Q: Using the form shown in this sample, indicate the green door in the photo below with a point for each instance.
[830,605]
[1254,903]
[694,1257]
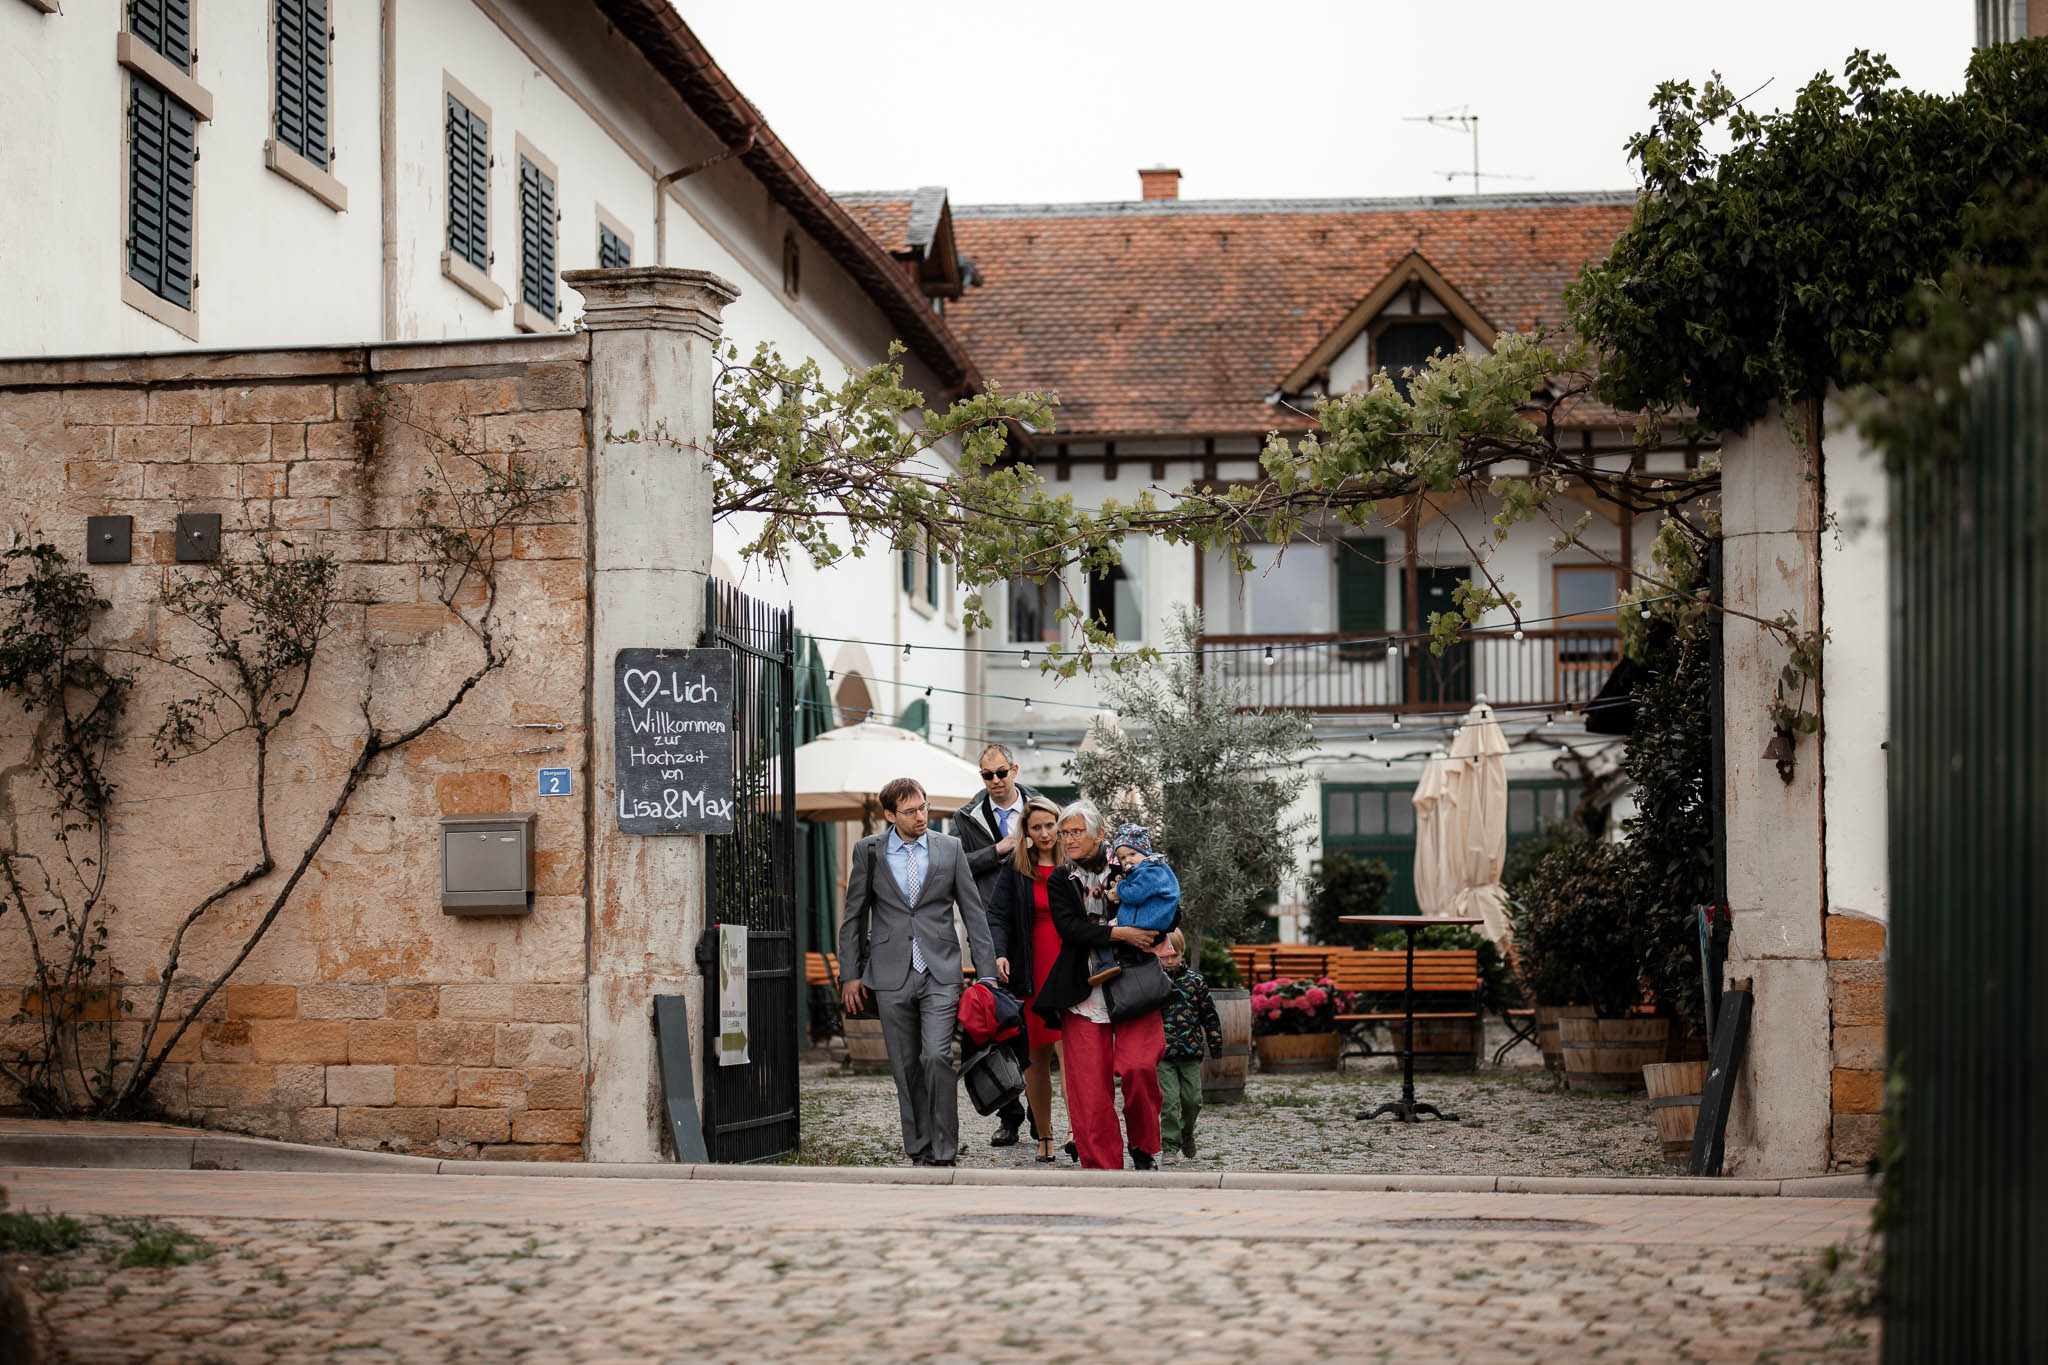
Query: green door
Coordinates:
[1446,679]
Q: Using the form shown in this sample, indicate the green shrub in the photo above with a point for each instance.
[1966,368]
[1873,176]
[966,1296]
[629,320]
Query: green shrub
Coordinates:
[1574,942]
[1218,968]
[1340,885]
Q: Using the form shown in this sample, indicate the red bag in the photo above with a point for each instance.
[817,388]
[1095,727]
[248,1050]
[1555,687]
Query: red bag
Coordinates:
[982,1020]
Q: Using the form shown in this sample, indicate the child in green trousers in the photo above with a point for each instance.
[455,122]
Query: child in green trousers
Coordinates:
[1190,1017]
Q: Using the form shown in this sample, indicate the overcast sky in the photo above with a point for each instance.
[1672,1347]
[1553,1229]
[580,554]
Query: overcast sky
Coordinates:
[1056,100]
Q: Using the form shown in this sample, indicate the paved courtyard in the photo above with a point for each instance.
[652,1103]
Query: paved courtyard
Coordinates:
[367,1268]
[1517,1121]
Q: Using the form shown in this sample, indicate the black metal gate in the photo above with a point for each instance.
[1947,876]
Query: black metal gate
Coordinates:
[1966,1249]
[750,1110]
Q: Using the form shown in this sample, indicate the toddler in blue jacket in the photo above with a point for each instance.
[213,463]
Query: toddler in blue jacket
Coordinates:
[1147,895]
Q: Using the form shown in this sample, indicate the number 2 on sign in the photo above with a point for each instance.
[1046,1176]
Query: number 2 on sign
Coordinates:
[554,782]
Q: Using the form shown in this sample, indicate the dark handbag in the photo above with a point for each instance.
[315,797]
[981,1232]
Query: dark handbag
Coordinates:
[1139,989]
[992,1076]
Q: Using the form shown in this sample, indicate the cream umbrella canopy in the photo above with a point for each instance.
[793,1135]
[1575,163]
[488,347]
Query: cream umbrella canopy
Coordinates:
[1461,826]
[839,772]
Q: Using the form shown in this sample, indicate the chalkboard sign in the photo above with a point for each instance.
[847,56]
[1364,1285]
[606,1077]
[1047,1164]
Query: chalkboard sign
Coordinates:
[672,729]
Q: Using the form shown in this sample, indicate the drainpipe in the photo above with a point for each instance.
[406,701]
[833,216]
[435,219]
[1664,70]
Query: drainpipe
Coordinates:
[387,157]
[661,187]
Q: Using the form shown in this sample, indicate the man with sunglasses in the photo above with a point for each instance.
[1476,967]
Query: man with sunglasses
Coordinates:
[988,827]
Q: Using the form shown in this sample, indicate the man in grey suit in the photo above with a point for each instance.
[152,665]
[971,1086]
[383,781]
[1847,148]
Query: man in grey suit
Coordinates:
[899,931]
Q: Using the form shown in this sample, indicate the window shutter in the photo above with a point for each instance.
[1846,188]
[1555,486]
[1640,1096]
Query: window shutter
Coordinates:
[469,182]
[612,251]
[931,575]
[1361,586]
[165,25]
[536,238]
[916,717]
[161,154]
[302,78]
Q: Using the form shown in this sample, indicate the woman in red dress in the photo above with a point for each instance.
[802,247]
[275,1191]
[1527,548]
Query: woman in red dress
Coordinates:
[1020,922]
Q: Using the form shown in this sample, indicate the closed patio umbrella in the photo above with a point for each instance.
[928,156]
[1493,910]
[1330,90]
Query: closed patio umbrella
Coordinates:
[1461,826]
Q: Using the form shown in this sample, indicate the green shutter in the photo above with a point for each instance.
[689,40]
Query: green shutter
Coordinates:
[469,185]
[1361,585]
[612,251]
[301,27]
[165,25]
[536,238]
[918,717]
[161,156]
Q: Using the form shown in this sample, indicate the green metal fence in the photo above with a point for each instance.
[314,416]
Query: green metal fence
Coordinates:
[1966,1274]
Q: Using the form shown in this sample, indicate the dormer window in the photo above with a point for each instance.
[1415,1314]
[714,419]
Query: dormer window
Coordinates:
[1409,345]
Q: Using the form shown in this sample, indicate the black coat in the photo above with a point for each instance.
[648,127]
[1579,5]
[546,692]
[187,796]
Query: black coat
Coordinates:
[1067,984]
[974,826]
[1012,922]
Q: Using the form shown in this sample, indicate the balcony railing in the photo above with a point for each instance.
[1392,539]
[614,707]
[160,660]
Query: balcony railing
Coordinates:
[1555,667]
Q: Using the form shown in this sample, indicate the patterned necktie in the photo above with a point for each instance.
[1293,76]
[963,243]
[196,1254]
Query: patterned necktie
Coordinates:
[912,880]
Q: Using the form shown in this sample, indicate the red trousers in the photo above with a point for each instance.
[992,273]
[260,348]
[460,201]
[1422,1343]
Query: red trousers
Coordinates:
[1096,1057]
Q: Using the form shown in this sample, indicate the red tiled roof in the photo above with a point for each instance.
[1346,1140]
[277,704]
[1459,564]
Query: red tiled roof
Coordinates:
[1180,317]
[885,220]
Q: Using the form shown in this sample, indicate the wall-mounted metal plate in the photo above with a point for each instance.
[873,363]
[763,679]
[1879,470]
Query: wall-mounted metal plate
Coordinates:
[109,540]
[198,537]
[487,864]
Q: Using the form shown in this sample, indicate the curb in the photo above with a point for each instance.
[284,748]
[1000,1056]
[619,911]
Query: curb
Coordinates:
[183,1151]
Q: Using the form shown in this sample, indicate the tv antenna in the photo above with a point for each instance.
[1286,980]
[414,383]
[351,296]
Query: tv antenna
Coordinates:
[1466,122]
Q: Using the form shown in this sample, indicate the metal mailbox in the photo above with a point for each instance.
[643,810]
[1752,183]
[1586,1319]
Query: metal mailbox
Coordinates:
[487,864]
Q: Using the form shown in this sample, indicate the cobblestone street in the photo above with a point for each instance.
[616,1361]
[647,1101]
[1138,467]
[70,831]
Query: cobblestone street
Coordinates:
[1518,1121]
[370,1268]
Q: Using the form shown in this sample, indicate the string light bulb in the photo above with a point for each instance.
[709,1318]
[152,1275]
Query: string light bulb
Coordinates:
[906,649]
[1025,661]
[1030,739]
[1393,648]
[1518,632]
[1397,722]
[1269,656]
[1027,706]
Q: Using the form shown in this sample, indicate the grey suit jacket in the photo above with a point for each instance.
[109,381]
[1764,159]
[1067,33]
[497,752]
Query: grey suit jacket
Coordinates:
[877,937]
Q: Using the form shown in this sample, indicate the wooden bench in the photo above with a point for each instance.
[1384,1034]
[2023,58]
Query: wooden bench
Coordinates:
[822,969]
[1258,962]
[1438,971]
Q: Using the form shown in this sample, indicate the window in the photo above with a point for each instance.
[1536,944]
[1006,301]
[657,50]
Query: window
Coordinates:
[165,108]
[302,78]
[931,573]
[1034,612]
[1286,594]
[792,265]
[1409,345]
[1586,593]
[300,148]
[1378,821]
[614,244]
[538,219]
[162,156]
[1116,599]
[909,562]
[467,261]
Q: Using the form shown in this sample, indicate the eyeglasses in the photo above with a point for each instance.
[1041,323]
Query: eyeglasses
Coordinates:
[910,810]
[998,775]
[1073,834]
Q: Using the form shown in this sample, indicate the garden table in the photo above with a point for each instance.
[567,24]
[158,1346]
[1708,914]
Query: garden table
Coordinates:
[1408,1109]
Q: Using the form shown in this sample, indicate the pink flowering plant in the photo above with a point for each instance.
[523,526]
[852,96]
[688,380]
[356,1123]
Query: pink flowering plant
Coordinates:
[1298,1004]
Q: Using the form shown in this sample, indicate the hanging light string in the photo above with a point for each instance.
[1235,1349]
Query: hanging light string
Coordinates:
[1391,643]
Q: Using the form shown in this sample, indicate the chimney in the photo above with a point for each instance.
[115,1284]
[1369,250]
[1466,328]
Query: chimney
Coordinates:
[1159,182]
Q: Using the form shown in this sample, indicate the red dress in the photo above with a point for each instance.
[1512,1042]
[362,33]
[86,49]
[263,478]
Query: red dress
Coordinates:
[1045,950]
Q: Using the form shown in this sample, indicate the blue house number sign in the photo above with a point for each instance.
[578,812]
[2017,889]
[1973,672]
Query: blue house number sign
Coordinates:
[555,782]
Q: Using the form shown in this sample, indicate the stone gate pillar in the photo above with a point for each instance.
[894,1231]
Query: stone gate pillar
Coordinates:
[654,331]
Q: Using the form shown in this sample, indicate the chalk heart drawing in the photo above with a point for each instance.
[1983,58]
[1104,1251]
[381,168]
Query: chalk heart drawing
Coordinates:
[636,678]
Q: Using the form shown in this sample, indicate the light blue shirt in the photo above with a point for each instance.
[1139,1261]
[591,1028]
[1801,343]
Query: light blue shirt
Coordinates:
[915,855]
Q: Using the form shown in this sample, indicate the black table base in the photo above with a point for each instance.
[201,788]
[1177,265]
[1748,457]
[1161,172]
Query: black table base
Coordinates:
[1408,1109]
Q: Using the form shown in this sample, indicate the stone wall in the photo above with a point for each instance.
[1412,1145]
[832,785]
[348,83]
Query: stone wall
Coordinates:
[366,1016]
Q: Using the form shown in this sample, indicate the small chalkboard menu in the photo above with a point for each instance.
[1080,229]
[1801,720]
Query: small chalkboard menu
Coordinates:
[672,727]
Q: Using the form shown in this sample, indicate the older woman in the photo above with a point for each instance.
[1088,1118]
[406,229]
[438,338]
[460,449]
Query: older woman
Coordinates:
[1095,1053]
[1020,922]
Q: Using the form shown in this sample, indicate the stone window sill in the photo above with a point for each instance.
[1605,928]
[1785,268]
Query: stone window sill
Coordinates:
[528,318]
[184,321]
[471,280]
[147,62]
[306,175]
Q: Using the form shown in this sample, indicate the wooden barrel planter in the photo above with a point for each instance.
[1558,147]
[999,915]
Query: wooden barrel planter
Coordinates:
[1445,1044]
[1546,1031]
[1223,1077]
[865,1050]
[1295,1052]
[1675,1103]
[1610,1054]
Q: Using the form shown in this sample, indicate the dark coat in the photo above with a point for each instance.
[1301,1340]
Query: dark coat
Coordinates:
[1012,916]
[974,825]
[1067,984]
